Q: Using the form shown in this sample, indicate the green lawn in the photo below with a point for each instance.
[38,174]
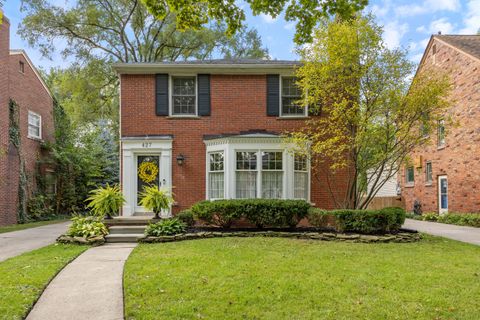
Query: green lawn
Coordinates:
[274,278]
[23,278]
[16,227]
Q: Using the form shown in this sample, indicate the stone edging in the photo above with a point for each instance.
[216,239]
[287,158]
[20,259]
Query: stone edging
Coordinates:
[93,241]
[325,236]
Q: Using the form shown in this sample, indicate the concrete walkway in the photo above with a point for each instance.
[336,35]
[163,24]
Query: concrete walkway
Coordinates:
[90,287]
[17,242]
[460,233]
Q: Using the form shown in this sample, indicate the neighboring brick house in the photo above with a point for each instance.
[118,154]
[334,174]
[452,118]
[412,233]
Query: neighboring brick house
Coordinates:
[213,129]
[20,81]
[445,175]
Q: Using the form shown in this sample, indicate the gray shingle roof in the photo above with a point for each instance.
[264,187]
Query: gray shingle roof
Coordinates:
[467,43]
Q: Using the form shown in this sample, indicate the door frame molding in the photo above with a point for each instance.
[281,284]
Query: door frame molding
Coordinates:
[130,148]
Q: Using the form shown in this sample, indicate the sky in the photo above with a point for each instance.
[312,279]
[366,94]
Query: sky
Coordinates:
[407,24]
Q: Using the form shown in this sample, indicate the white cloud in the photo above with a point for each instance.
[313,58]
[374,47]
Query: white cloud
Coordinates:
[472,20]
[421,29]
[267,18]
[393,33]
[442,25]
[381,10]
[428,6]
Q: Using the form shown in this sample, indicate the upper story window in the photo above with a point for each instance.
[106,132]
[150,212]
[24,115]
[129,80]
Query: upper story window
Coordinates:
[441,133]
[216,177]
[409,175]
[428,172]
[184,96]
[34,125]
[290,94]
[21,66]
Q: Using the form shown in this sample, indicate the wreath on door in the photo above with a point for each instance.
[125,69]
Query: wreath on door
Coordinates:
[148,171]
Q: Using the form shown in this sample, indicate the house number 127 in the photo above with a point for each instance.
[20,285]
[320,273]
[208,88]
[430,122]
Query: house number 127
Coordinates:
[146,144]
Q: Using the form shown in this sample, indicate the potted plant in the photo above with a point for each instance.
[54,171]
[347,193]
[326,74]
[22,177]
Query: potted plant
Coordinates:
[156,199]
[106,201]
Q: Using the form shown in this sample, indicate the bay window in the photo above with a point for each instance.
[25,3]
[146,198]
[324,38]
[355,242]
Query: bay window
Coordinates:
[246,176]
[300,177]
[272,175]
[216,182]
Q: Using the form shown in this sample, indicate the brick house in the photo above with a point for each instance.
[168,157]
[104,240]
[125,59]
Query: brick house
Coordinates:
[445,175]
[20,82]
[212,128]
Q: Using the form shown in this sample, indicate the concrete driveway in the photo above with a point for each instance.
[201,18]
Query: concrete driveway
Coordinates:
[460,233]
[17,242]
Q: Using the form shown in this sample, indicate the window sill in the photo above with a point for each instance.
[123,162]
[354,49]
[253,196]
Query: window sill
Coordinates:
[35,138]
[441,147]
[293,117]
[409,185]
[428,184]
[184,117]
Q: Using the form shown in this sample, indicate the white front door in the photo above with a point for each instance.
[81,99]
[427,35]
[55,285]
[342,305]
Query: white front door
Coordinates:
[442,194]
[148,174]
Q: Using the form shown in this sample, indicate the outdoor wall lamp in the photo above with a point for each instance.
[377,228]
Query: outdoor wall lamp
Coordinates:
[180,159]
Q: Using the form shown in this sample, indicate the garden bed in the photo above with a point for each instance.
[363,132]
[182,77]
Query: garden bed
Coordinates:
[303,233]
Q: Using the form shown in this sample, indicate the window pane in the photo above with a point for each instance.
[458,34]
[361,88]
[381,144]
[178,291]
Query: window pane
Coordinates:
[290,94]
[33,131]
[300,163]
[428,172]
[184,104]
[410,174]
[246,160]
[216,161]
[184,86]
[216,185]
[272,160]
[289,88]
[272,184]
[300,185]
[246,184]
[289,107]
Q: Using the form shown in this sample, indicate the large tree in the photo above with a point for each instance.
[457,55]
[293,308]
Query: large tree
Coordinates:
[193,14]
[371,115]
[93,34]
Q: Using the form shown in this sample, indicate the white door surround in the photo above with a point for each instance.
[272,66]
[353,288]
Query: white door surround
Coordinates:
[442,194]
[132,147]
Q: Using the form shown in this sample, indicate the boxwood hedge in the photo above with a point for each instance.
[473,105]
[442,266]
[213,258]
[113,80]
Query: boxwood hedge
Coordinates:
[260,212]
[360,221]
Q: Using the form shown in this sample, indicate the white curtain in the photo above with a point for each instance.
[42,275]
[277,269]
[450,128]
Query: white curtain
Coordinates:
[300,185]
[246,184]
[215,185]
[272,184]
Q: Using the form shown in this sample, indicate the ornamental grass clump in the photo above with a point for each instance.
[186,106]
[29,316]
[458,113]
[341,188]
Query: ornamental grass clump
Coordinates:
[106,201]
[156,199]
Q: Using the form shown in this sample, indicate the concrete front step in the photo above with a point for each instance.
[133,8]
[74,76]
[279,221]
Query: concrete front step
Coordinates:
[124,238]
[129,221]
[127,229]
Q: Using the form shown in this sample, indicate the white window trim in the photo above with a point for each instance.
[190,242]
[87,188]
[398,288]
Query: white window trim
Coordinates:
[230,145]
[428,182]
[407,182]
[293,116]
[210,171]
[39,137]
[441,143]
[170,96]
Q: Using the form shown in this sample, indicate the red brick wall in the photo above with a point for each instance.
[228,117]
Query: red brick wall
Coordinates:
[460,158]
[27,90]
[238,103]
[5,218]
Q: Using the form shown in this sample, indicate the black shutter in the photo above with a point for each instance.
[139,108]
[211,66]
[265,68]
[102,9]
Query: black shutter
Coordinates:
[203,94]
[161,94]
[273,95]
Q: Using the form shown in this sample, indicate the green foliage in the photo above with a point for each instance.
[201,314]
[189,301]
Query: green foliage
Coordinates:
[165,227]
[194,14]
[360,221]
[155,199]
[106,201]
[370,112]
[261,212]
[87,227]
[461,219]
[39,207]
[186,216]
